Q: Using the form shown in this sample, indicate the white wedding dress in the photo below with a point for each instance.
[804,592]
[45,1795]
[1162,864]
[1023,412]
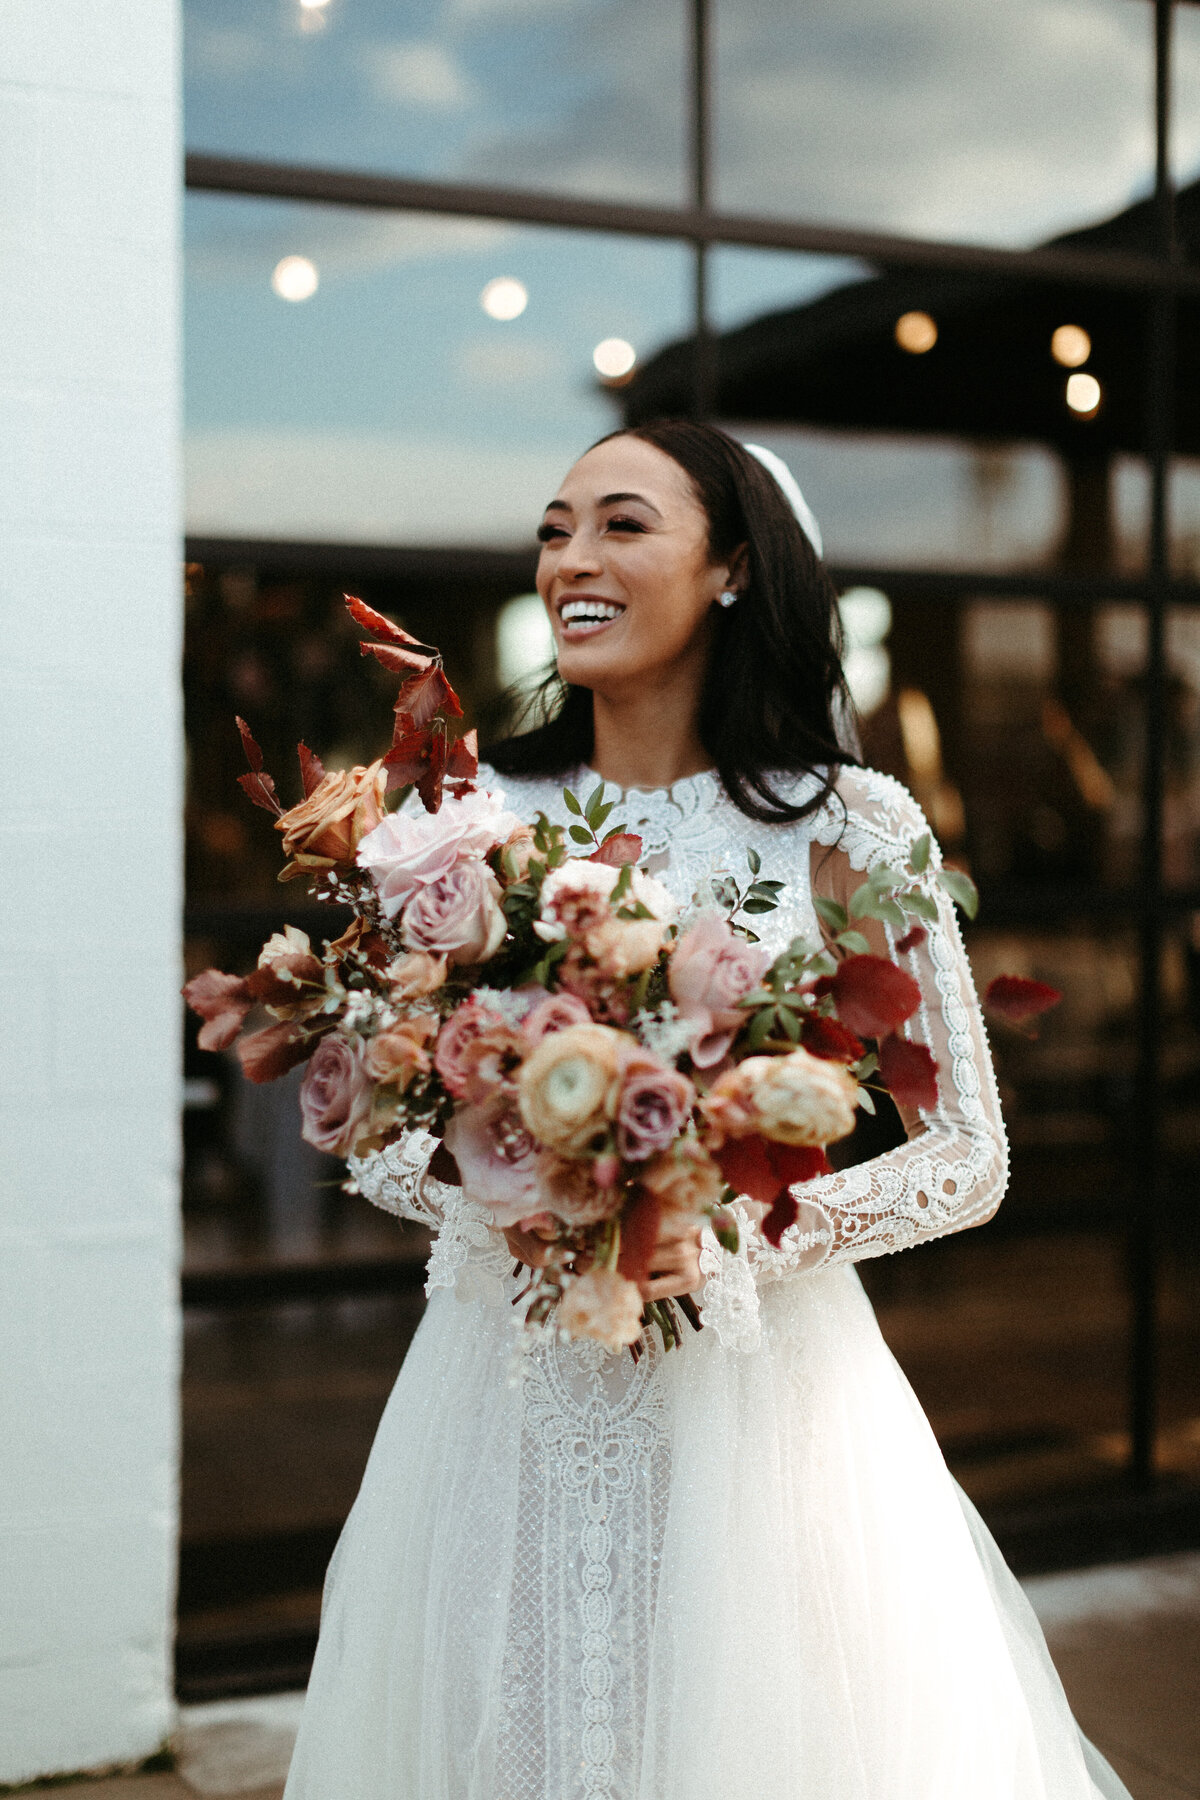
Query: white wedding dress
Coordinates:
[741,1571]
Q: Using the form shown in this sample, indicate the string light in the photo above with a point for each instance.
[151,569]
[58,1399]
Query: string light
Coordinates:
[295,278]
[916,333]
[1083,394]
[1071,346]
[504,298]
[613,358]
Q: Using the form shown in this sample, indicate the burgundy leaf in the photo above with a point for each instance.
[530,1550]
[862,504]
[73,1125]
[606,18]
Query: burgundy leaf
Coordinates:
[254,755]
[830,1039]
[784,1212]
[799,1162]
[261,790]
[394,657]
[222,1001]
[911,939]
[266,1055]
[745,1163]
[427,694]
[463,761]
[312,769]
[1017,999]
[874,995]
[909,1072]
[382,627]
[619,848]
[639,1235]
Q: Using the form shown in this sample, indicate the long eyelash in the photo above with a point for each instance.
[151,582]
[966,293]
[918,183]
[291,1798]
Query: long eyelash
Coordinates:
[546,532]
[632,524]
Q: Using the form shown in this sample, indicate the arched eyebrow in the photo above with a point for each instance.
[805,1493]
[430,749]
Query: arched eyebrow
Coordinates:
[607,500]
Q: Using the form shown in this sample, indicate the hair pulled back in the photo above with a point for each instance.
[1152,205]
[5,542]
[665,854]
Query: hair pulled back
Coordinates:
[774,686]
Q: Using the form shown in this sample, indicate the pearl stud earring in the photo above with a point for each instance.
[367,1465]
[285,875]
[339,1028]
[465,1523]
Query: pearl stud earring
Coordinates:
[727,598]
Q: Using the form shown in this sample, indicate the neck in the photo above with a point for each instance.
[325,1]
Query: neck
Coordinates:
[647,738]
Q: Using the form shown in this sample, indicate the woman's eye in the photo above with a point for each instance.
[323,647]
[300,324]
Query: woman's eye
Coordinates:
[625,525]
[545,533]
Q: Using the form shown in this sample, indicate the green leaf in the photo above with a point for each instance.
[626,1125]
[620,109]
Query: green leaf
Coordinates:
[754,861]
[891,914]
[537,870]
[760,1028]
[768,887]
[866,1100]
[601,815]
[571,803]
[759,906]
[831,912]
[623,883]
[853,942]
[594,803]
[918,860]
[862,899]
[961,889]
[883,878]
[867,1065]
[789,1021]
[923,905]
[582,835]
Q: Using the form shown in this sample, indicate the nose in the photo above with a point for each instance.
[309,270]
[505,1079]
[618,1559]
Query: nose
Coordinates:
[580,555]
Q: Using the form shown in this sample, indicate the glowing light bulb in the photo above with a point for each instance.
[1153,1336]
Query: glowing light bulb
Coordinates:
[313,5]
[504,298]
[916,333]
[613,358]
[1070,346]
[295,278]
[1083,394]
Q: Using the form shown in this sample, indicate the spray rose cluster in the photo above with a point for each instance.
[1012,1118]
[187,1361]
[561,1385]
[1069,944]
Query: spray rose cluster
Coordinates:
[593,1059]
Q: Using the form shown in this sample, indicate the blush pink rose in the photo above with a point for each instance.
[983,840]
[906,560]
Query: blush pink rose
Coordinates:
[655,1101]
[554,1013]
[454,1057]
[458,915]
[409,851]
[335,1096]
[711,969]
[497,1159]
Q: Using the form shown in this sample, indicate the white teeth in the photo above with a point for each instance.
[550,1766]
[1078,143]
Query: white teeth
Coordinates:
[591,612]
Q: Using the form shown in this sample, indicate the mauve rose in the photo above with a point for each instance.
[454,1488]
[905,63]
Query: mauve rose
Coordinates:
[335,1095]
[409,851]
[326,829]
[554,1013]
[710,970]
[458,915]
[654,1103]
[496,1158]
[464,1028]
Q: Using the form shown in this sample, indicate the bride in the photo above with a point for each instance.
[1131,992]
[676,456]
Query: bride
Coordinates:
[741,1571]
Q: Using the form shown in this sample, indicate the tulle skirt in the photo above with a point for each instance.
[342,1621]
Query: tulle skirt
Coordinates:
[715,1576]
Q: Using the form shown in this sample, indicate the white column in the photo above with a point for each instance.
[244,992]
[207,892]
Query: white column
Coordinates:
[90,781]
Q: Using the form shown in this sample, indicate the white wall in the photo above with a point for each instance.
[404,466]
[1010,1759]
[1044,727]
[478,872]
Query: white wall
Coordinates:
[89,879]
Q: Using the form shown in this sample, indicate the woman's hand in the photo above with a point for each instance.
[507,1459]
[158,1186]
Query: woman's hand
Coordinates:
[675,1264]
[530,1240]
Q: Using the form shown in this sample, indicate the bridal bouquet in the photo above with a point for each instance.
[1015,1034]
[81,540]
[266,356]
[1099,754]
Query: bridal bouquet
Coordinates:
[592,1058]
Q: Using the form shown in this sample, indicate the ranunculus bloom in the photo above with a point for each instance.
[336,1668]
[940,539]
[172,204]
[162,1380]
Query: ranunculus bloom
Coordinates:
[684,1178]
[604,1306]
[396,1055]
[325,830]
[710,970]
[335,1095]
[468,1023]
[571,1191]
[570,1087]
[554,1013]
[655,1101]
[496,1159]
[413,975]
[458,915]
[289,980]
[409,851]
[795,1099]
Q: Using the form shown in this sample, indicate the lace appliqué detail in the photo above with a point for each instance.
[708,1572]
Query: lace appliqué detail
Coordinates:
[467,1254]
[596,1450]
[729,1305]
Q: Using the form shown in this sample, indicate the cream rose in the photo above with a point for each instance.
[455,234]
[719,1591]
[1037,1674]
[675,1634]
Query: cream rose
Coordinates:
[684,1179]
[570,1087]
[326,829]
[794,1099]
[602,1305]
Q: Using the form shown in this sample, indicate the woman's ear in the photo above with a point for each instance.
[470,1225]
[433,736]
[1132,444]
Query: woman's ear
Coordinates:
[737,569]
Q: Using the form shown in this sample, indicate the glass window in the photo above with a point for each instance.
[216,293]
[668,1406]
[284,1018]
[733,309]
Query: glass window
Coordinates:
[390,379]
[580,98]
[939,119]
[1185,105]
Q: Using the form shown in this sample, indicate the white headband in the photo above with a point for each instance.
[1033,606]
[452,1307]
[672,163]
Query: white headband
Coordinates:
[776,466]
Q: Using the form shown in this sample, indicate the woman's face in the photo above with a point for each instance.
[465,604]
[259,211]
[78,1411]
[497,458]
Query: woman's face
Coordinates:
[624,571]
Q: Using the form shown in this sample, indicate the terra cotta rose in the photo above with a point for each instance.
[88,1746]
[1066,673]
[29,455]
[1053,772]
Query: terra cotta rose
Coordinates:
[325,830]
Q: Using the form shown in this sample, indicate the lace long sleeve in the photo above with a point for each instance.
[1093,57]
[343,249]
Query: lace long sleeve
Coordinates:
[397,1179]
[952,1170]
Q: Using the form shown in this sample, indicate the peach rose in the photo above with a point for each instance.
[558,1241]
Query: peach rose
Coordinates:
[794,1099]
[573,1194]
[413,975]
[711,968]
[325,830]
[684,1179]
[570,1087]
[458,915]
[624,947]
[515,854]
[604,1306]
[471,1023]
[396,1055]
[290,979]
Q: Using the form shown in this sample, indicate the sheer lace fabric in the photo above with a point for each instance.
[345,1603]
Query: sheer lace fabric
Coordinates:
[738,1571]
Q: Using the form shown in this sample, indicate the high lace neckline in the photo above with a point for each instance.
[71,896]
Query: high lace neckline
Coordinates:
[704,781]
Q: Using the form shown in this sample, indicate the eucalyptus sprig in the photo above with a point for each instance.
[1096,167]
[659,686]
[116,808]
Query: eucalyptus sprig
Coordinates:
[593,815]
